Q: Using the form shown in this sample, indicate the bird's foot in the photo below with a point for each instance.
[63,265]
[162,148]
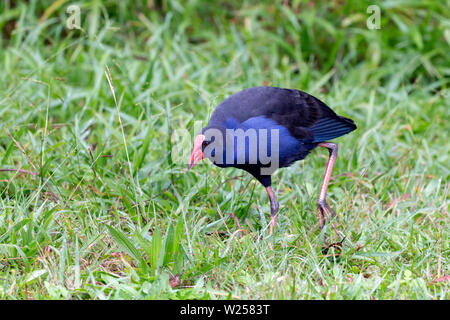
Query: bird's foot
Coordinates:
[274,206]
[273,223]
[325,211]
[325,208]
[238,225]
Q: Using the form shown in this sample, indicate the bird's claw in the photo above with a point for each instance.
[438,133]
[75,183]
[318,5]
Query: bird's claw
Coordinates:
[273,223]
[325,211]
[325,208]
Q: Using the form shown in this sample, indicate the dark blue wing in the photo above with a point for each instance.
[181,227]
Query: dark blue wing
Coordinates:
[330,128]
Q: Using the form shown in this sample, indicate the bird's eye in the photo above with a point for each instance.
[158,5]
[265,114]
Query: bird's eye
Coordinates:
[205,143]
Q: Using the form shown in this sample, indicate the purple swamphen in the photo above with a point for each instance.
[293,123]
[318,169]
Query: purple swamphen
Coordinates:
[264,128]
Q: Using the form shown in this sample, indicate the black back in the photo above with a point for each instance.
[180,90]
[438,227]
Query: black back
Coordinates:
[296,110]
[307,119]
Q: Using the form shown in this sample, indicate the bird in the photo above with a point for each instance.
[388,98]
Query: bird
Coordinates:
[262,129]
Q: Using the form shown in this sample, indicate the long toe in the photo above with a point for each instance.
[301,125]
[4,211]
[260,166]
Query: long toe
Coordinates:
[326,211]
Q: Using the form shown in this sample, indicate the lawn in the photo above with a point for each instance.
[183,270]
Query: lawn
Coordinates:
[96,129]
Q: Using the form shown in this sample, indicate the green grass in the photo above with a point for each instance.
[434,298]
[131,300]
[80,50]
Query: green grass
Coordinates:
[111,212]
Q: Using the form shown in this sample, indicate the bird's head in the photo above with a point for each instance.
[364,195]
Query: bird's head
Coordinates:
[197,150]
[206,144]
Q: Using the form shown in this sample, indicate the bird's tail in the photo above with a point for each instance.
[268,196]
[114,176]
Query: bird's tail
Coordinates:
[331,127]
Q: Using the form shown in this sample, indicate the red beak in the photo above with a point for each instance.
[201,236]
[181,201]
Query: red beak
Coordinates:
[197,153]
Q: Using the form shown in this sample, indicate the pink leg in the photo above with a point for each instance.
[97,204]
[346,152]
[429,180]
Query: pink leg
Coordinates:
[324,209]
[273,209]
